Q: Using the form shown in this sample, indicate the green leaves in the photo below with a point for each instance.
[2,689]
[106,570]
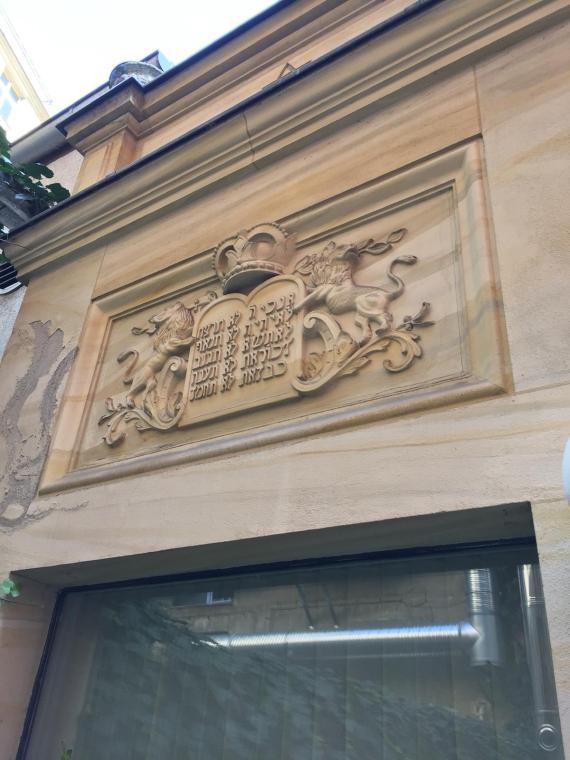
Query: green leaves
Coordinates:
[26,181]
[37,171]
[9,587]
[58,192]
[4,144]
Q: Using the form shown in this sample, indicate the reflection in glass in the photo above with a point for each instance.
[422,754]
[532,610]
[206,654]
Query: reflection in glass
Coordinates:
[408,659]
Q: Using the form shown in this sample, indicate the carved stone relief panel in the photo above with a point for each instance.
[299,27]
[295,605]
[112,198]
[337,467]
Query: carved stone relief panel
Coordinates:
[363,306]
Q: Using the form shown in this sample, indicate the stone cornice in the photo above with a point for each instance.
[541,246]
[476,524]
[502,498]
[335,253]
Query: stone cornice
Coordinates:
[330,90]
[122,107]
[268,44]
[211,74]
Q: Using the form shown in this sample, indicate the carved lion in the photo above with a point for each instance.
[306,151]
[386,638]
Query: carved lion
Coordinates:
[331,284]
[172,331]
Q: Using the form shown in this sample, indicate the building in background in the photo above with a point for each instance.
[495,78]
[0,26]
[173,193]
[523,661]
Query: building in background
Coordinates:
[47,143]
[35,136]
[23,99]
[23,102]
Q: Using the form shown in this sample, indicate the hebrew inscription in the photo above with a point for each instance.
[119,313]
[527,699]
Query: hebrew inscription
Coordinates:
[247,350]
[284,326]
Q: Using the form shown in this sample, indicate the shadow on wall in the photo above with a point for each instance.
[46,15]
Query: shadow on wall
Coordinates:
[27,416]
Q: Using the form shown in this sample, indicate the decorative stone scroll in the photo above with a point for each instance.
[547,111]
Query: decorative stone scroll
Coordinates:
[284,327]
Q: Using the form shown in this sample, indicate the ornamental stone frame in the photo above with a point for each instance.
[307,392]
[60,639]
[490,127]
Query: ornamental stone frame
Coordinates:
[432,350]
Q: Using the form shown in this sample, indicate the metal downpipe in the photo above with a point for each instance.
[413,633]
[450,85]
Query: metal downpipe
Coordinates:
[539,660]
[483,615]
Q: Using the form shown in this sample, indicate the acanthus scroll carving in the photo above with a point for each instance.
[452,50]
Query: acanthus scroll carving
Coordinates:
[285,326]
[330,282]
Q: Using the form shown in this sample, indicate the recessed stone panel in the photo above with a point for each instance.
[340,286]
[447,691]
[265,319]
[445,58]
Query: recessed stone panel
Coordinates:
[372,304]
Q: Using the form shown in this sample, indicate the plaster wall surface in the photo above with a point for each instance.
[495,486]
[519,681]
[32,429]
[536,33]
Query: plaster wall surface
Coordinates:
[524,101]
[9,306]
[420,466]
[66,169]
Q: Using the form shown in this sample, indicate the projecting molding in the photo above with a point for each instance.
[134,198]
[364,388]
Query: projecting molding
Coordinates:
[327,91]
[392,309]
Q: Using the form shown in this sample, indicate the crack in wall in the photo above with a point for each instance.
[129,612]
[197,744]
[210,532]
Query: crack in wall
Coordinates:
[250,141]
[26,450]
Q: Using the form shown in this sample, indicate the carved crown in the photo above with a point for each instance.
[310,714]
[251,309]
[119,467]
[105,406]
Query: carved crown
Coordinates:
[252,256]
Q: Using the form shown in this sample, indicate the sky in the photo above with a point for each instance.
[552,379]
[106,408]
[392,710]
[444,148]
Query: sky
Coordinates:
[74,44]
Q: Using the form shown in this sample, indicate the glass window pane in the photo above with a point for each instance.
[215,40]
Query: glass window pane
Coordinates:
[415,658]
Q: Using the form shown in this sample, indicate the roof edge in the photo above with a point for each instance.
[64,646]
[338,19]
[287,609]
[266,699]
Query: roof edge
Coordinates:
[411,11]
